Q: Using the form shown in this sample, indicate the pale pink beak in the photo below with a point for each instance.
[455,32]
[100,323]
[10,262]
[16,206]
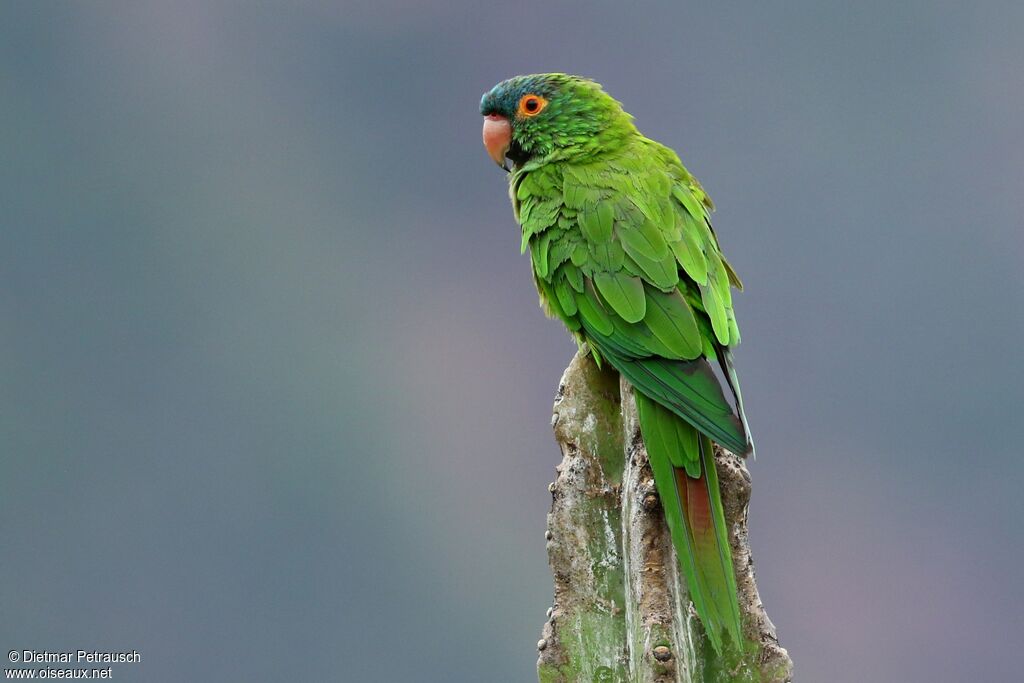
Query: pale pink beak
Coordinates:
[497,137]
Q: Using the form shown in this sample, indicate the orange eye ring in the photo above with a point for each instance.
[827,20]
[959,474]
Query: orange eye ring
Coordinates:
[531,105]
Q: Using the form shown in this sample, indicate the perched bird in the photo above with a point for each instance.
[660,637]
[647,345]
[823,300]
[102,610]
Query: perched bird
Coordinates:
[624,254]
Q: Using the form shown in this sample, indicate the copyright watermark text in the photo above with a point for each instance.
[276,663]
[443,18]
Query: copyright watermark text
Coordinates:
[78,657]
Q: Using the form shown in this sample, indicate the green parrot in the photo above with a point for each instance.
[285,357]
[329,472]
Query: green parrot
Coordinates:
[624,254]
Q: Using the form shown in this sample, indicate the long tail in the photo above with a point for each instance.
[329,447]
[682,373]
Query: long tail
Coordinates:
[684,472]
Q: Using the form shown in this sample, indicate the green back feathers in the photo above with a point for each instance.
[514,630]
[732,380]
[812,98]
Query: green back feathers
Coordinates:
[623,252]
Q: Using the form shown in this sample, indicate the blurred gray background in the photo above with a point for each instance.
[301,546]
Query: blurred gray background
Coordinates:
[275,386]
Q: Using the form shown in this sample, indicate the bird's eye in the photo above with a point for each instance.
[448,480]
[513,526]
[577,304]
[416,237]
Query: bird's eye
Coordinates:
[531,105]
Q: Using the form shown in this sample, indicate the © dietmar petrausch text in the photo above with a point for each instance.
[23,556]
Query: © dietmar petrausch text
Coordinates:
[68,664]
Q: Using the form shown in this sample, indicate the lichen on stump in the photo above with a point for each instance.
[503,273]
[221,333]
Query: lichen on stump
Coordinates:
[621,613]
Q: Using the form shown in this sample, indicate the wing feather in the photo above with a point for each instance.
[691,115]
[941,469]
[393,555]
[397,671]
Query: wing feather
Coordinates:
[641,277]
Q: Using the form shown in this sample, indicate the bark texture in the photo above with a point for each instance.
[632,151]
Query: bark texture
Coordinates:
[621,611]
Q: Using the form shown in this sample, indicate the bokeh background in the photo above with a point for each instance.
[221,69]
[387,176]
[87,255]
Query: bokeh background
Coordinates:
[276,390]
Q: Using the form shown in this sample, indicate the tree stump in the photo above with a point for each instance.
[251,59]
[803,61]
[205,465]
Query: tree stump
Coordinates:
[621,611]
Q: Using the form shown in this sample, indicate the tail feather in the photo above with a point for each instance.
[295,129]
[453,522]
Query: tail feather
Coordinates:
[696,502]
[696,520]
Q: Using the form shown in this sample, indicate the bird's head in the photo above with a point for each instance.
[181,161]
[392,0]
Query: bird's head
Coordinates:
[550,116]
